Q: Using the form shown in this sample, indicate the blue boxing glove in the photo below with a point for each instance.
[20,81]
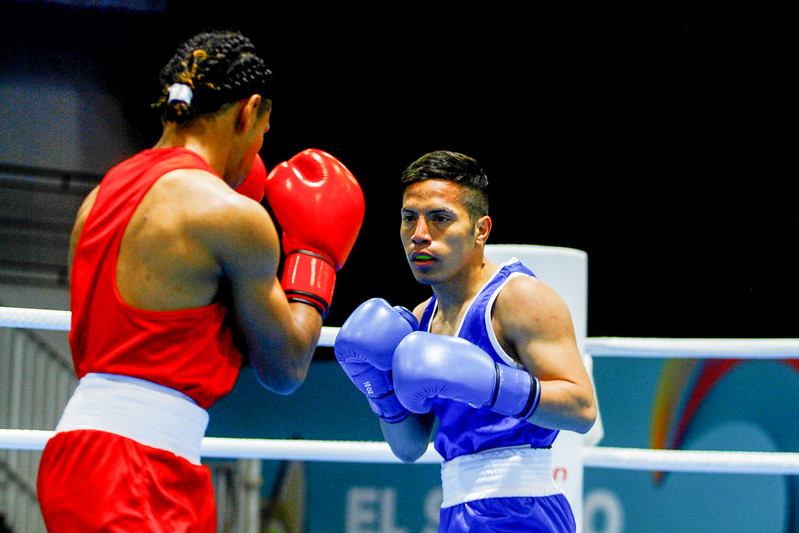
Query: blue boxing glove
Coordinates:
[428,366]
[364,348]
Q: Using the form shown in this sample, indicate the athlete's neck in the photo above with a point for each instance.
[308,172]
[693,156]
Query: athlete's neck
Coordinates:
[209,137]
[455,294]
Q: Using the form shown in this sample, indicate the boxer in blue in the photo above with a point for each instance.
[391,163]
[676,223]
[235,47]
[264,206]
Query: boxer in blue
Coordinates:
[492,355]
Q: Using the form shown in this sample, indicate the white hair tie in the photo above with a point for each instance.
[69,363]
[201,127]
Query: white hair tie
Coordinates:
[180,92]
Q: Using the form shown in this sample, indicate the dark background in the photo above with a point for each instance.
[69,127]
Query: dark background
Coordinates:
[654,138]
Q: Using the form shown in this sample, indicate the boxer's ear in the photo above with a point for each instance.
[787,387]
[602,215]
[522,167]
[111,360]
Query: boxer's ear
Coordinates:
[482,228]
[249,112]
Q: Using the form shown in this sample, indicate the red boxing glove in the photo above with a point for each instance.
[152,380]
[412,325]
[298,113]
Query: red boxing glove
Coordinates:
[252,186]
[320,206]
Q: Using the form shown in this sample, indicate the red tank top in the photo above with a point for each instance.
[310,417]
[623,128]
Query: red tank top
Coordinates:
[190,350]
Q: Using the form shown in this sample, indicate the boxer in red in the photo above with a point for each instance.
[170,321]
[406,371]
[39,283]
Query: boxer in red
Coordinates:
[173,280]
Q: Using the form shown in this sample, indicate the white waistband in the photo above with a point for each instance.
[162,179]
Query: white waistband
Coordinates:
[146,412]
[498,473]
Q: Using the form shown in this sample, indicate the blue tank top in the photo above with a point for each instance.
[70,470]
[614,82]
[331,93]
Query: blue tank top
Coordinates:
[463,429]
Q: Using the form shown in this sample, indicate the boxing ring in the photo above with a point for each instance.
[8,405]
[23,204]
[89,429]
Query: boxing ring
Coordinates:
[785,463]
[578,453]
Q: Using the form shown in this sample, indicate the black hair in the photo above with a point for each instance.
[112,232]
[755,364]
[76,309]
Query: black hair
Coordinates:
[219,67]
[454,167]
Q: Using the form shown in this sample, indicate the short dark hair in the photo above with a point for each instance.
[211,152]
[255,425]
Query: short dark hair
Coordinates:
[219,67]
[455,167]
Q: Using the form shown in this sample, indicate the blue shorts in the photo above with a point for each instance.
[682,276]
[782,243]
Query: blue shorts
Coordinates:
[551,514]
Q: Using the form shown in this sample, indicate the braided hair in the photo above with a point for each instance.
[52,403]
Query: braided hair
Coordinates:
[208,71]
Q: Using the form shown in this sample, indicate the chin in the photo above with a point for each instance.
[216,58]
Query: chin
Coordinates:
[423,277]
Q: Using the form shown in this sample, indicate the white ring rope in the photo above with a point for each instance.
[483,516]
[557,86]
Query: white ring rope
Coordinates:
[227,448]
[726,462]
[20,317]
[785,463]
[706,461]
[693,348]
[25,318]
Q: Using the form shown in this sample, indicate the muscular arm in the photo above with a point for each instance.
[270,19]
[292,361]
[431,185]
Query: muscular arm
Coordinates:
[534,326]
[77,228]
[213,232]
[280,337]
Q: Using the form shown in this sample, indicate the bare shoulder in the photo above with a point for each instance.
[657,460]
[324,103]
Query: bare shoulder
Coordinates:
[85,208]
[213,211]
[199,192]
[528,303]
[80,221]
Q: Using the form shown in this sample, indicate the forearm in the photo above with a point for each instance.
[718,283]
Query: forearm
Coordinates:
[281,348]
[282,366]
[410,438]
[565,405]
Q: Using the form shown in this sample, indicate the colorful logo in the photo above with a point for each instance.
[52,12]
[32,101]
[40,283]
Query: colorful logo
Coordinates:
[695,395]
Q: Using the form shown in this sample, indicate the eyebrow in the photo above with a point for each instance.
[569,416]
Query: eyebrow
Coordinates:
[434,211]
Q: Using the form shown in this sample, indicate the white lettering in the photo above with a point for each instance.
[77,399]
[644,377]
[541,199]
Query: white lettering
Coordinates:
[361,516]
[388,511]
[363,504]
[432,509]
[603,512]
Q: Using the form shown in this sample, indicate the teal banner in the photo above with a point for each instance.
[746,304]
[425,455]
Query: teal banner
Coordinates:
[694,404]
[337,496]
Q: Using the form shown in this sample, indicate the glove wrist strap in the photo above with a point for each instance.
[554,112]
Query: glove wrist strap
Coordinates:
[516,393]
[389,408]
[309,278]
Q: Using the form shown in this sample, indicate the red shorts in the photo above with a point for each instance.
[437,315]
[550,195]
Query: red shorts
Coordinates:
[97,481]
